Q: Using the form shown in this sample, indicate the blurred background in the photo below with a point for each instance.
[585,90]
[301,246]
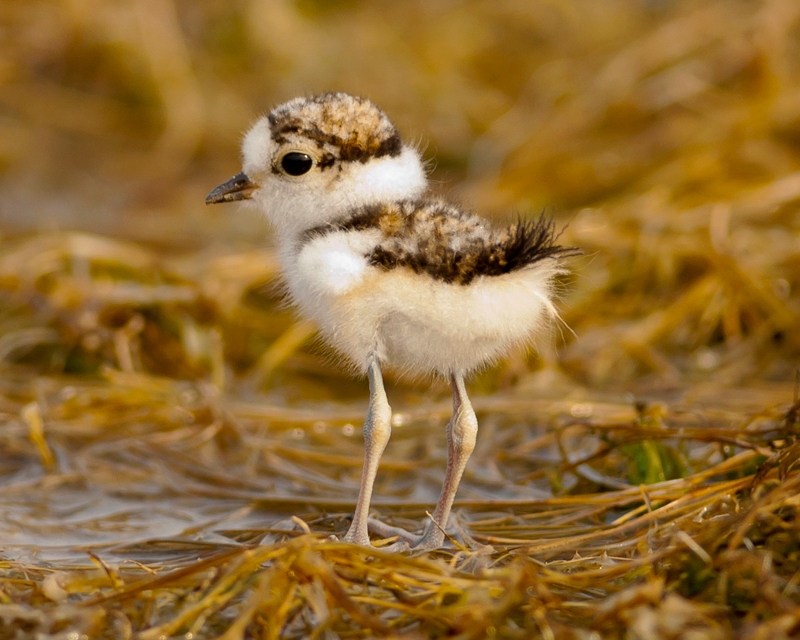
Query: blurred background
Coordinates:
[665,136]
[158,403]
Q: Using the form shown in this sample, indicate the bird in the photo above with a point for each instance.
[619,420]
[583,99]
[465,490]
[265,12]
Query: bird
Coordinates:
[394,276]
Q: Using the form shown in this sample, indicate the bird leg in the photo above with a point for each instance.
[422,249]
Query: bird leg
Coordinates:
[462,432]
[377,429]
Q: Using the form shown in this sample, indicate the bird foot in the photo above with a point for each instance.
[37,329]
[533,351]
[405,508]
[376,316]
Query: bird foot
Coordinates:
[432,538]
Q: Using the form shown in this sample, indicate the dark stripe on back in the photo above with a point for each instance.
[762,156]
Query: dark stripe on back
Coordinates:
[527,243]
[499,252]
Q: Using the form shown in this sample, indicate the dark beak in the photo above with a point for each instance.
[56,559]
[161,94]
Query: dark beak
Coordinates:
[238,187]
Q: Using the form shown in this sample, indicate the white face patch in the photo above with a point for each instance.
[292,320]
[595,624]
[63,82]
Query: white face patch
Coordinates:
[257,148]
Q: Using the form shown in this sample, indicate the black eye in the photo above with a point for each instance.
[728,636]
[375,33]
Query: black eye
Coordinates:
[296,163]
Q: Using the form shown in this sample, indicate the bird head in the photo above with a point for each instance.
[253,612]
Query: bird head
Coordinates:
[313,159]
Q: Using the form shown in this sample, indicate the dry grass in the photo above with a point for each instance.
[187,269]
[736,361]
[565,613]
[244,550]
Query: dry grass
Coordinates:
[177,449]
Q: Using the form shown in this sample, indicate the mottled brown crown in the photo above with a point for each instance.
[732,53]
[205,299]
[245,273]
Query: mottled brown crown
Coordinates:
[343,127]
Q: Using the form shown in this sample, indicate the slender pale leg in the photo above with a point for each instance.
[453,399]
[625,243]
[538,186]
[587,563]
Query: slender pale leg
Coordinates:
[377,429]
[462,432]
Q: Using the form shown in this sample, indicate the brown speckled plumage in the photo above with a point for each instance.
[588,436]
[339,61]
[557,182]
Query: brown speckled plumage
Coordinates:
[434,238]
[343,127]
[393,276]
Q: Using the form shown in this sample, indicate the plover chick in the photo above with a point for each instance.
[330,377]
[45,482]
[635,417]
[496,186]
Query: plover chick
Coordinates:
[393,276]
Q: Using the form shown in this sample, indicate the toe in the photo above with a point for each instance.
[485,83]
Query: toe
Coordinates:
[431,540]
[401,546]
[388,531]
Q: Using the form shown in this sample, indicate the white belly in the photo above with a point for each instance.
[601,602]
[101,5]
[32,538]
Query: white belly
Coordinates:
[417,324]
